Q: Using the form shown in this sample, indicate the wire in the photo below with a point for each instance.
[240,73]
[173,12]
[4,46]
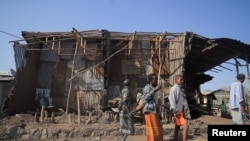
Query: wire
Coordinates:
[10,34]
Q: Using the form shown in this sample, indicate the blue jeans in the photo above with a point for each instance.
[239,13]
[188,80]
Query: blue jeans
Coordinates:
[238,117]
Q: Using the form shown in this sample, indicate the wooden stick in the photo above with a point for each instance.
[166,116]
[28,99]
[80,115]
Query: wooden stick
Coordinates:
[45,115]
[78,108]
[70,118]
[84,46]
[59,47]
[35,118]
[53,117]
[53,43]
[42,113]
[73,117]
[90,116]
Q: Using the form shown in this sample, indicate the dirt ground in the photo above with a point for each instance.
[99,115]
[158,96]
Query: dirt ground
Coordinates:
[201,122]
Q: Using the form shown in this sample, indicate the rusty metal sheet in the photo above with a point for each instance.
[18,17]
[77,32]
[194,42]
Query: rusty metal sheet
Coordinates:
[131,66]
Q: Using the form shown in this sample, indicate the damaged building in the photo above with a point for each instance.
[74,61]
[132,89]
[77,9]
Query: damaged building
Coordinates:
[81,71]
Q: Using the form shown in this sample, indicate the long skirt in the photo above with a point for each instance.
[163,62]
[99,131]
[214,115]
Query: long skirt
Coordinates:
[126,123]
[154,129]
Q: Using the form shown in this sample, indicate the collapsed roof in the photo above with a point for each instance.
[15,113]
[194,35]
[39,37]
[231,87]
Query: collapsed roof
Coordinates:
[205,54]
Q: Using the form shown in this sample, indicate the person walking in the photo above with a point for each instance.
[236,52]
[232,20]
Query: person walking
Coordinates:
[125,106]
[149,106]
[237,101]
[176,99]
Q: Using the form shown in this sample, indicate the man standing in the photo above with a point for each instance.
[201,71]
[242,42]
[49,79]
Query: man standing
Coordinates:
[149,105]
[237,102]
[176,99]
[125,106]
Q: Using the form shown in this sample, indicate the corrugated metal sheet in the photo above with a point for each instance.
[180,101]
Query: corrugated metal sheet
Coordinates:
[4,73]
[48,55]
[131,66]
[176,56]
[44,76]
[88,80]
[9,78]
[89,100]
[146,58]
[114,91]
[19,51]
[66,49]
[5,76]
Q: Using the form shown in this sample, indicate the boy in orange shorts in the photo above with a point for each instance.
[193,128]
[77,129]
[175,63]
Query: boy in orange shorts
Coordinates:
[179,119]
[176,98]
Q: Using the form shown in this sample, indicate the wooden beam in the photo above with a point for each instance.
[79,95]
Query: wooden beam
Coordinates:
[217,69]
[237,65]
[225,68]
[131,43]
[209,47]
[46,44]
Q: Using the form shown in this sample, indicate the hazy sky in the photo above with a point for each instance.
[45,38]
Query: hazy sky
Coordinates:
[209,18]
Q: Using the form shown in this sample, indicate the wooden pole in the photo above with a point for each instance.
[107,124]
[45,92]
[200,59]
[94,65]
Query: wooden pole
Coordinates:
[45,115]
[35,118]
[53,43]
[70,118]
[159,71]
[59,47]
[42,113]
[131,43]
[73,118]
[248,79]
[159,74]
[53,117]
[78,108]
[237,66]
[72,73]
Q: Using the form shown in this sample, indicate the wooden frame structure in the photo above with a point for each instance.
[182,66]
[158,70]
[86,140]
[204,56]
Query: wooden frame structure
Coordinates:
[96,62]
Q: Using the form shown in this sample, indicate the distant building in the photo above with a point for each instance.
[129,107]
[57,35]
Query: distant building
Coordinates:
[208,99]
[217,96]
[6,84]
[221,95]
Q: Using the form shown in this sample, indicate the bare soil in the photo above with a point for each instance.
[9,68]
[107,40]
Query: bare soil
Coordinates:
[62,122]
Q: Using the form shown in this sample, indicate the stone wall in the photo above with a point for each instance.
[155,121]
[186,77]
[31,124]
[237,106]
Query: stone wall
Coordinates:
[24,127]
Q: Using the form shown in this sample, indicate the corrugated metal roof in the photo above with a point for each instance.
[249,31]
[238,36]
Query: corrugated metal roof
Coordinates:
[5,76]
[211,92]
[4,73]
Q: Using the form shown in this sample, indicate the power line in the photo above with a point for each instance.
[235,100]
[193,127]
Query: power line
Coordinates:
[11,34]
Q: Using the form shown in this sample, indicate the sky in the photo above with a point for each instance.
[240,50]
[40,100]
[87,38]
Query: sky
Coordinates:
[208,18]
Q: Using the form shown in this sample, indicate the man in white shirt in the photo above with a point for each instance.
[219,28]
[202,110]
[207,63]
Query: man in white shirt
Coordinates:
[236,101]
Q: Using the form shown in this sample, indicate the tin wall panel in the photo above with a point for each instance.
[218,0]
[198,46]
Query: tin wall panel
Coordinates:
[19,51]
[176,57]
